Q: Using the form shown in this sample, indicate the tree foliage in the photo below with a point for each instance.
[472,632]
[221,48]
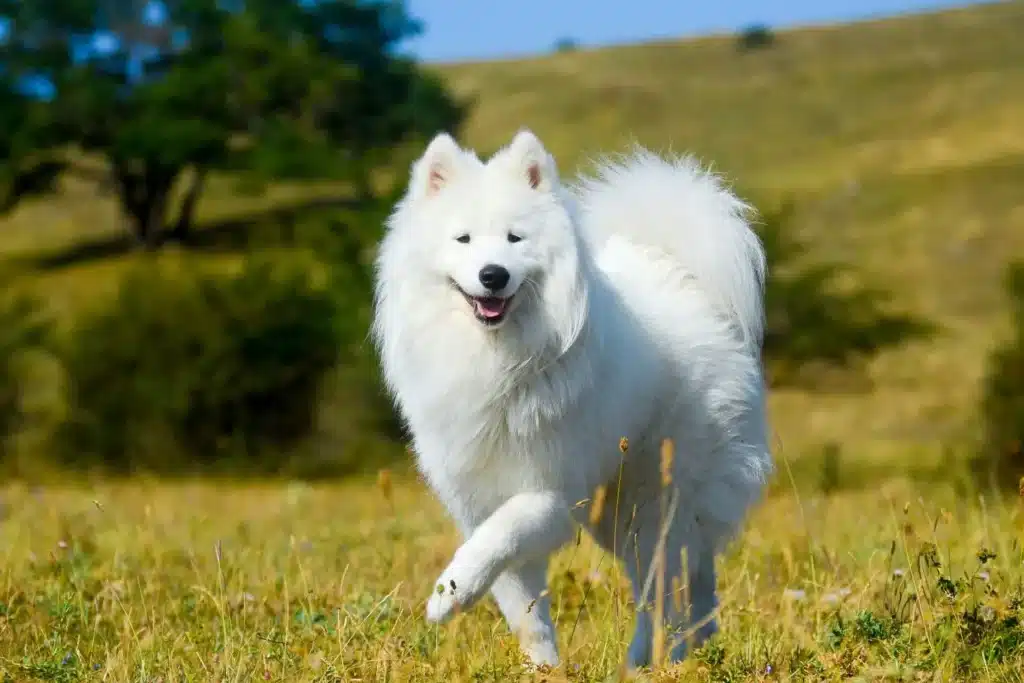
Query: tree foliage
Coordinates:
[265,88]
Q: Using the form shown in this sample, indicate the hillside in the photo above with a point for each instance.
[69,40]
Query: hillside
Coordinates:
[901,141]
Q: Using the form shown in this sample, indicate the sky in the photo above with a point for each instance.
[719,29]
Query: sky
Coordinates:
[488,29]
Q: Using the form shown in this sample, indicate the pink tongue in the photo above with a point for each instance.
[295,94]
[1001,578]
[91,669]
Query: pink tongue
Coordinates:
[490,307]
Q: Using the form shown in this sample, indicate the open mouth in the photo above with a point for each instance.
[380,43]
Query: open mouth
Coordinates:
[489,310]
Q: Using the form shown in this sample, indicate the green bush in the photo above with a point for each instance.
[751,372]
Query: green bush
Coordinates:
[813,326]
[22,327]
[755,37]
[187,369]
[1002,403]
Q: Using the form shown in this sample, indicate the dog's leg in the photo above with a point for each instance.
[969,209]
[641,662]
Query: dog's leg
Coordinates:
[703,622]
[637,546]
[528,526]
[521,595]
[629,532]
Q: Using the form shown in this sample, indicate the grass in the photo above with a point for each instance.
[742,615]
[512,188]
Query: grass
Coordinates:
[200,581]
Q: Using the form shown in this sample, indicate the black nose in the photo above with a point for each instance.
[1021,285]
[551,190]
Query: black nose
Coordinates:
[493,277]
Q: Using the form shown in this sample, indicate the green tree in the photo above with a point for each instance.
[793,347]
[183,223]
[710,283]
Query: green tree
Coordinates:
[264,88]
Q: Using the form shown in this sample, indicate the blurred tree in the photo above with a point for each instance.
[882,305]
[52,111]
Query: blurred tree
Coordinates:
[566,45]
[754,37]
[811,323]
[1002,403]
[23,326]
[30,159]
[267,88]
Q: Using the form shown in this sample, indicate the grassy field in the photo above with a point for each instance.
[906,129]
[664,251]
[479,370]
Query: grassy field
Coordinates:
[901,142]
[183,582]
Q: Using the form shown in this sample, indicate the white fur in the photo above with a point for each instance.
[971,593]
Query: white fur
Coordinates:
[637,312]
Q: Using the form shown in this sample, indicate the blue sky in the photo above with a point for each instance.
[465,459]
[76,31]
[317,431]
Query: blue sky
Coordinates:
[486,29]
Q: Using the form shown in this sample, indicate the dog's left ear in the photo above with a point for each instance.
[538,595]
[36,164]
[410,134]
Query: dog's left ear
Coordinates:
[530,159]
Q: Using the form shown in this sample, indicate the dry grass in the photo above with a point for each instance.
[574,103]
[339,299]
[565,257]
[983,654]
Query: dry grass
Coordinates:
[198,581]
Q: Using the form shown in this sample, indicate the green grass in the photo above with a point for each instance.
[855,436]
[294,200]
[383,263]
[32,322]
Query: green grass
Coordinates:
[200,581]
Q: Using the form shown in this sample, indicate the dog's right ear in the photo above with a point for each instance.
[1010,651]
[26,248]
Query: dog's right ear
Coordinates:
[436,167]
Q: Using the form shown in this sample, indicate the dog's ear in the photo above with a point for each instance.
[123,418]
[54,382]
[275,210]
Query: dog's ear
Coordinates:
[437,166]
[530,159]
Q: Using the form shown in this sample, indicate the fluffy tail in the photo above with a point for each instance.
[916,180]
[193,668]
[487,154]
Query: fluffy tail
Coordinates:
[676,206]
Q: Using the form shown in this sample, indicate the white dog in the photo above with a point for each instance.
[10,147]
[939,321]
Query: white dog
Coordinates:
[525,328]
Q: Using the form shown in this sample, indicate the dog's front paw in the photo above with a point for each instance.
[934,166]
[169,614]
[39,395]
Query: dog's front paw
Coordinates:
[443,603]
[457,589]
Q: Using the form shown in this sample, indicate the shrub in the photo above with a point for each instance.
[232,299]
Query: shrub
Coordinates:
[22,327]
[1002,403]
[187,369]
[811,323]
[564,45]
[754,37]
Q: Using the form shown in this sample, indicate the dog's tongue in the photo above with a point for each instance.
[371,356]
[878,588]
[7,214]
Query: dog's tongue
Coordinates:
[490,307]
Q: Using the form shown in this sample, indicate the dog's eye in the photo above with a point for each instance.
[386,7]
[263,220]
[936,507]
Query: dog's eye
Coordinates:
[462,239]
[514,238]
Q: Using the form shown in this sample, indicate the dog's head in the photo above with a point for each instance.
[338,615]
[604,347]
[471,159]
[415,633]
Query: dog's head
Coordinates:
[499,237]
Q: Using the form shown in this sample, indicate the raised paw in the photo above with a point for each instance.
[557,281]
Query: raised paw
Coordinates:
[461,585]
[444,602]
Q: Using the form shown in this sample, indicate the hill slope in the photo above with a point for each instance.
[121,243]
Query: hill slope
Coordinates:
[902,141]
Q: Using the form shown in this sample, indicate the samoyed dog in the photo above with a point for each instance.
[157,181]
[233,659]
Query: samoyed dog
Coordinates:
[526,327]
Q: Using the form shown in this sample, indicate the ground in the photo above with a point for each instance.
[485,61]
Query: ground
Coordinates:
[200,581]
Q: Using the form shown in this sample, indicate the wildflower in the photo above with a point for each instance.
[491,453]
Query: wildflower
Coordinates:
[898,573]
[794,594]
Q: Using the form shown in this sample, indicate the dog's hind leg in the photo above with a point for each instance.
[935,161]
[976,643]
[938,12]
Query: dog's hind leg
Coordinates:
[702,580]
[522,597]
[636,543]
